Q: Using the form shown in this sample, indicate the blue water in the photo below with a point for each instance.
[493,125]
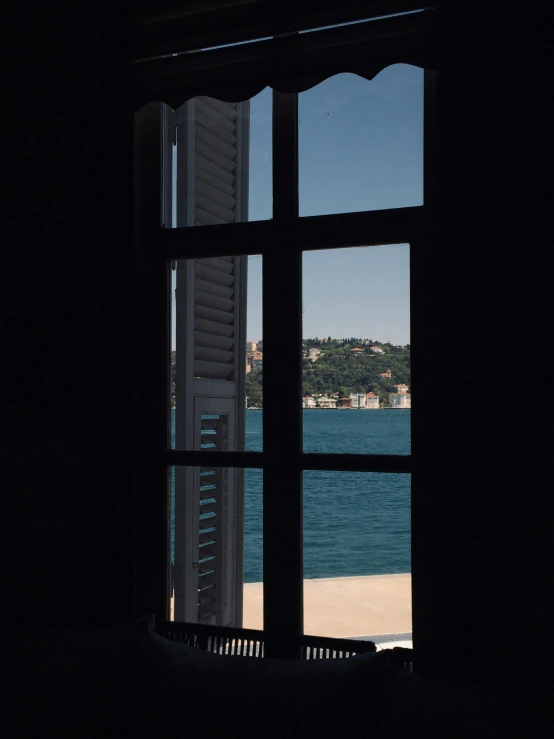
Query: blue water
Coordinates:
[355,523]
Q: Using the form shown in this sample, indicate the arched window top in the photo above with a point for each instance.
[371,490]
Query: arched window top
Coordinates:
[292,63]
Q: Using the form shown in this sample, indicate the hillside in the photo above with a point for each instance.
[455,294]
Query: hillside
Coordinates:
[338,369]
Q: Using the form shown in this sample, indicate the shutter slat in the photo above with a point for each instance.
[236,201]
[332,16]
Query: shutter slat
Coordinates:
[206,540]
[212,355]
[226,110]
[227,122]
[208,495]
[215,194]
[213,301]
[207,126]
[202,176]
[211,140]
[208,168]
[212,327]
[210,274]
[206,569]
[212,370]
[206,615]
[208,550]
[204,312]
[206,205]
[204,218]
[206,526]
[208,508]
[220,264]
[213,288]
[205,585]
[212,341]
[212,155]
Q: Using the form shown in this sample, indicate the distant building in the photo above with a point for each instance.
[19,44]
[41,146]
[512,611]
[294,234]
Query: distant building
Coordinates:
[308,402]
[256,363]
[313,353]
[372,401]
[344,403]
[325,402]
[357,400]
[386,374]
[254,355]
[356,350]
[376,349]
[401,399]
[248,367]
[365,342]
[251,346]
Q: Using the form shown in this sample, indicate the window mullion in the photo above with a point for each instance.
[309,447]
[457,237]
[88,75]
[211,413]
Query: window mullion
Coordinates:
[282,423]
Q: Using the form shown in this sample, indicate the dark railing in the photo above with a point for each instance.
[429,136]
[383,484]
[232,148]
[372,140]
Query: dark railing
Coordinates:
[230,641]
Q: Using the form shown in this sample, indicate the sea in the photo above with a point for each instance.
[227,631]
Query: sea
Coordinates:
[355,523]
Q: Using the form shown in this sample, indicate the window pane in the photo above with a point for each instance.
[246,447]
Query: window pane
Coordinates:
[356,350]
[214,371]
[215,544]
[357,560]
[361,142]
[253,550]
[221,161]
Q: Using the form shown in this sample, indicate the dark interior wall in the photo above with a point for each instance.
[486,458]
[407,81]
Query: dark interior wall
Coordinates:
[482,541]
[66,304]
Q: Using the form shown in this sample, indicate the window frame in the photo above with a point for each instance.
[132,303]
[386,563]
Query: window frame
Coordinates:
[281,242]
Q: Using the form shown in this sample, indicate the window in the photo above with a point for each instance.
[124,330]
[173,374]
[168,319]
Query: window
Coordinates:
[198,247]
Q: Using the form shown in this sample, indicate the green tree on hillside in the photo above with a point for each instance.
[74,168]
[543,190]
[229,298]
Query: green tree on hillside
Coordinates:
[338,370]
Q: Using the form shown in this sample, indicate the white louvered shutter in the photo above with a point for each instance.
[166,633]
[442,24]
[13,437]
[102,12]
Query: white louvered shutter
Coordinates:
[211,189]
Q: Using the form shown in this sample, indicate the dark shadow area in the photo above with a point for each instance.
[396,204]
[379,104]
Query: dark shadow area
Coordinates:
[481,294]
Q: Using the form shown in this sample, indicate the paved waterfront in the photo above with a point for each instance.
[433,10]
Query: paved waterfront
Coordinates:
[349,607]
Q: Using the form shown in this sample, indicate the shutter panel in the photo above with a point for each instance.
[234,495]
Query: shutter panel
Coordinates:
[212,188]
[215,137]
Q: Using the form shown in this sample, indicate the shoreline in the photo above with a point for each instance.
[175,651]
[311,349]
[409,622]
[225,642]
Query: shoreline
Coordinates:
[398,408]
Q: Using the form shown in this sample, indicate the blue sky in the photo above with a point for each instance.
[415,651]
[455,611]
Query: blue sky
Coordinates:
[360,148]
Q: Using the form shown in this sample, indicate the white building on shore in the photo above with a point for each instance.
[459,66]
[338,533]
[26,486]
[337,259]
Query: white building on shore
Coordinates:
[325,402]
[308,402]
[401,399]
[372,401]
[357,400]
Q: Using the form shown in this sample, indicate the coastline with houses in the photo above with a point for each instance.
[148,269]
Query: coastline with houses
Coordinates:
[367,401]
[339,374]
